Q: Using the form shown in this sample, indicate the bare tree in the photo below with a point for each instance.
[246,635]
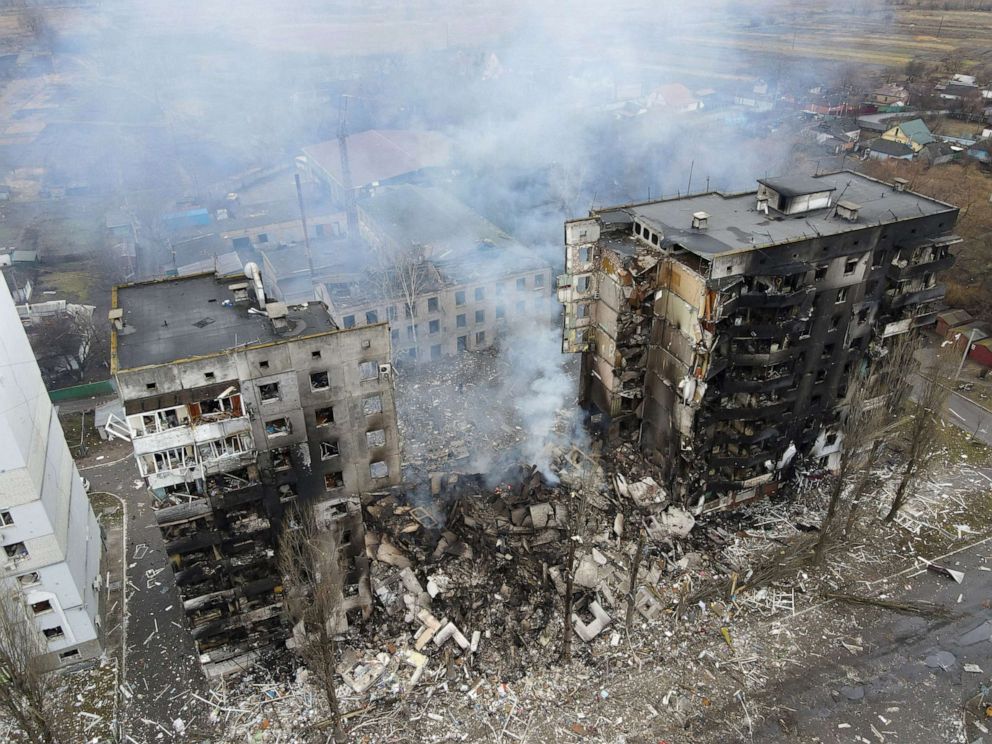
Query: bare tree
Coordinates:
[69,343]
[405,274]
[930,394]
[869,418]
[312,579]
[24,688]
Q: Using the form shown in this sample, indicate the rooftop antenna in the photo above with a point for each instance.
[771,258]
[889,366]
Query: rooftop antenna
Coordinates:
[688,189]
[349,195]
[306,233]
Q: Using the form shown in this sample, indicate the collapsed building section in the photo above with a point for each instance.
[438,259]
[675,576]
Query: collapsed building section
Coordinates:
[723,331]
[237,407]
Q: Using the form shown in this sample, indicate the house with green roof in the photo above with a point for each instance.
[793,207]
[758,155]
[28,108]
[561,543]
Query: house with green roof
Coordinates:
[914,133]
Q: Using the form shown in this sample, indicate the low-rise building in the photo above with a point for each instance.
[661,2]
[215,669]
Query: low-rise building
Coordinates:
[722,331]
[236,407]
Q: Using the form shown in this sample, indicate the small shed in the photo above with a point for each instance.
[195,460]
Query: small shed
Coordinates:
[981,352]
[974,330]
[24,257]
[951,318]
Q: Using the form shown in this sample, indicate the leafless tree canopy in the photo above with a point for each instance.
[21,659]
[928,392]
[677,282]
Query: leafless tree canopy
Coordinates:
[312,579]
[24,688]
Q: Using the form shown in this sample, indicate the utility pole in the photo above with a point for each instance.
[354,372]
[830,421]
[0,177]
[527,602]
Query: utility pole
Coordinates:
[306,233]
[351,210]
[967,348]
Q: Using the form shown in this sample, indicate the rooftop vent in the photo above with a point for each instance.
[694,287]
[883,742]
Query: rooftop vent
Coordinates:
[116,317]
[240,291]
[762,205]
[900,184]
[277,312]
[699,220]
[848,210]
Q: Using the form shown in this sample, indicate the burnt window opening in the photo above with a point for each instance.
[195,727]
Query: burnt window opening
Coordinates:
[480,294]
[345,541]
[433,305]
[70,654]
[480,316]
[863,316]
[460,321]
[816,401]
[821,375]
[333,480]
[828,350]
[371,316]
[349,321]
[324,416]
[329,450]
[375,438]
[264,364]
[279,427]
[522,283]
[841,295]
[368,370]
[320,381]
[459,297]
[434,326]
[831,439]
[16,550]
[372,405]
[378,469]
[209,376]
[821,272]
[480,338]
[850,266]
[40,608]
[582,310]
[835,322]
[435,352]
[280,459]
[268,392]
[54,633]
[150,386]
[872,286]
[462,343]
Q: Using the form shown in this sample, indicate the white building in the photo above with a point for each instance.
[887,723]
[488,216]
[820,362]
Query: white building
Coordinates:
[50,537]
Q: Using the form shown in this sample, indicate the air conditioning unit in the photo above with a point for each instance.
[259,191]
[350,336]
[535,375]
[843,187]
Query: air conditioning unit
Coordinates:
[385,370]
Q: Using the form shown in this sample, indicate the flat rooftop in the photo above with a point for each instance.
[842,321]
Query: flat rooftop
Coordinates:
[170,319]
[734,224]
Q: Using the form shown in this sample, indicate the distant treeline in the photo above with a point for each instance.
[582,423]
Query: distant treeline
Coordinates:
[943,4]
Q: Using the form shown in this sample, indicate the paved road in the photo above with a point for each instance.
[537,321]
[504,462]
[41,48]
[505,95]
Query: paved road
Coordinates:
[909,682]
[161,666]
[970,417]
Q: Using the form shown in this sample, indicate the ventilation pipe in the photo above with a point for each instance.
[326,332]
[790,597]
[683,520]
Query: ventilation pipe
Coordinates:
[252,272]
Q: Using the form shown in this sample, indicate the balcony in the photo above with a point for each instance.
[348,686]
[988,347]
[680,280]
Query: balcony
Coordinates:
[735,384]
[228,462]
[205,430]
[896,301]
[766,359]
[762,410]
[175,438]
[913,270]
[774,299]
[764,330]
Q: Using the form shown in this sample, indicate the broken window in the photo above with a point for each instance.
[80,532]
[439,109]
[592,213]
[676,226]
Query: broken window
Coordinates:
[433,305]
[850,266]
[828,350]
[324,416]
[279,427]
[368,370]
[480,338]
[70,654]
[480,294]
[500,312]
[372,405]
[375,438]
[863,316]
[815,401]
[821,272]
[209,376]
[480,316]
[29,579]
[434,326]
[538,280]
[280,458]
[582,310]
[821,375]
[269,392]
[372,316]
[40,608]
[329,450]
[319,381]
[150,386]
[835,322]
[460,321]
[391,312]
[436,352]
[16,551]
[54,633]
[459,297]
[378,469]
[841,295]
[264,364]
[5,519]
[582,284]
[333,480]
[462,343]
[349,321]
[522,283]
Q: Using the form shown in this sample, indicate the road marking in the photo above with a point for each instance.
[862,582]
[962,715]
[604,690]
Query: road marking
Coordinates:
[955,413]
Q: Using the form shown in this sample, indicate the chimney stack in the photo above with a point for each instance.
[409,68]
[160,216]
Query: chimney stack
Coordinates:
[699,220]
[900,184]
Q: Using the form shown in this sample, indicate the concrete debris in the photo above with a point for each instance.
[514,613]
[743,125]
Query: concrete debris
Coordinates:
[588,631]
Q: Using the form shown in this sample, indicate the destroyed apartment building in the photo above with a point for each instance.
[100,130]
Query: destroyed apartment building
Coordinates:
[724,331]
[445,278]
[236,408]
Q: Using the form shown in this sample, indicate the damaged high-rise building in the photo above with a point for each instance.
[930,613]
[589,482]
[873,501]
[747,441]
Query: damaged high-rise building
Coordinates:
[722,330]
[236,408]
